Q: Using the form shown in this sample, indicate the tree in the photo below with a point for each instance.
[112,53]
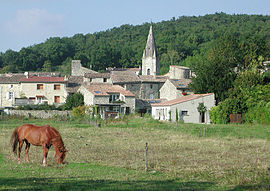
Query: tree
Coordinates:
[47,66]
[74,100]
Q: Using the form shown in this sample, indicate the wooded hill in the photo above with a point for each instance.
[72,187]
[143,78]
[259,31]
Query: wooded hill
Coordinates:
[178,40]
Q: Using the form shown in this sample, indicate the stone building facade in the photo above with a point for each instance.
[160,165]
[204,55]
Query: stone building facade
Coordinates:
[110,100]
[49,90]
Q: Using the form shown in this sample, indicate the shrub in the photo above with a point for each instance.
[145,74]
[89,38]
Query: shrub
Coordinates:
[78,111]
[74,100]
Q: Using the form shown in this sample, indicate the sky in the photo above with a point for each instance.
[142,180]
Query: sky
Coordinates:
[27,22]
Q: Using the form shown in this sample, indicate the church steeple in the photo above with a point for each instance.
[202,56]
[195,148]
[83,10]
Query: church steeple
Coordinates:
[150,62]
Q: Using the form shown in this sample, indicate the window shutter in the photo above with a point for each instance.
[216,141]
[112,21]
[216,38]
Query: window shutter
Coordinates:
[7,96]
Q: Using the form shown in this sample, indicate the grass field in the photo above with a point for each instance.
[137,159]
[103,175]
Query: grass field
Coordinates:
[111,157]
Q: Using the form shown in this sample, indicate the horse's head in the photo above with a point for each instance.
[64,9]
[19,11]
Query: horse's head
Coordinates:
[60,157]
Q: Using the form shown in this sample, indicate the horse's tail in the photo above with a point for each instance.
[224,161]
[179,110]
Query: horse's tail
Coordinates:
[14,140]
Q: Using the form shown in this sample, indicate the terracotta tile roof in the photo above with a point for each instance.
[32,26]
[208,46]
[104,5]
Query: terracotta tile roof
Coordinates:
[180,83]
[124,76]
[43,79]
[48,74]
[181,99]
[11,78]
[97,75]
[100,89]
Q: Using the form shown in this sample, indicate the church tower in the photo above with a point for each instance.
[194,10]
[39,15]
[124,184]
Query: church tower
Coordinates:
[150,62]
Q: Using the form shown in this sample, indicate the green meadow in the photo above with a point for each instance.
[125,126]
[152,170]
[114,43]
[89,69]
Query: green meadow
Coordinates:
[111,156]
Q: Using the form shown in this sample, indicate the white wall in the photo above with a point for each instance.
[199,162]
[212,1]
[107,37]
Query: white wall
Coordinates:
[193,116]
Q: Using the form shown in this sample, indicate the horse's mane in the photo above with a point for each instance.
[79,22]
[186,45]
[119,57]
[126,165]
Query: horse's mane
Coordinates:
[57,139]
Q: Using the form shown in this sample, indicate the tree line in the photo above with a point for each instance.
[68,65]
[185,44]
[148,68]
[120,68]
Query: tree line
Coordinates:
[178,40]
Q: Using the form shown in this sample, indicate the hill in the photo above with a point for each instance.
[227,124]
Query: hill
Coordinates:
[177,40]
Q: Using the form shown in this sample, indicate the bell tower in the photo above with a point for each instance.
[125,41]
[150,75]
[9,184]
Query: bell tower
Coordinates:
[150,61]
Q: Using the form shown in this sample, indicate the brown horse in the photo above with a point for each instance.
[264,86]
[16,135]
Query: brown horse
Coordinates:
[45,136]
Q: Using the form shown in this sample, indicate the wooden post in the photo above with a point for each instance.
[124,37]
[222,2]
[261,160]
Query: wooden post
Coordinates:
[146,149]
[204,131]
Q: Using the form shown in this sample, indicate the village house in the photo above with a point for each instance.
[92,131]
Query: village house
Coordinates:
[110,100]
[175,88]
[44,90]
[185,109]
[9,89]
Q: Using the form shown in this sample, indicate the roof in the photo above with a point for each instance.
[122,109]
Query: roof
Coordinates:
[47,74]
[100,89]
[150,48]
[124,76]
[181,99]
[149,78]
[11,78]
[180,83]
[97,75]
[43,79]
[74,82]
[123,69]
[179,67]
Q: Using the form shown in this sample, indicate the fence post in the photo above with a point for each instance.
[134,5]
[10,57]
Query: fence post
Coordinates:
[146,149]
[204,131]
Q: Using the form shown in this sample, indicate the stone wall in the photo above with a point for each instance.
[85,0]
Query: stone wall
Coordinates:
[44,114]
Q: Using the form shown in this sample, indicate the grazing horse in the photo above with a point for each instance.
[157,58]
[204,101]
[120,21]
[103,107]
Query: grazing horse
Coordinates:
[45,136]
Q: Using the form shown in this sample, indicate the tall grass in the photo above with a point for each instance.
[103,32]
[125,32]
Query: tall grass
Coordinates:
[111,156]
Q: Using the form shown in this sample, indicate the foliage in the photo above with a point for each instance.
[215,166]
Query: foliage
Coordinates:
[74,100]
[248,97]
[78,111]
[40,107]
[178,40]
[201,108]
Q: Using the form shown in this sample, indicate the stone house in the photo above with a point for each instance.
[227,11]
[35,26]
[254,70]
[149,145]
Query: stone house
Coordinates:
[110,100]
[179,72]
[185,108]
[10,89]
[38,90]
[97,78]
[174,88]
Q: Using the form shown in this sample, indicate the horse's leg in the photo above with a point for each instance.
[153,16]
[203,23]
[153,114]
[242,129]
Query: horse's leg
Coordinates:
[45,150]
[19,150]
[27,147]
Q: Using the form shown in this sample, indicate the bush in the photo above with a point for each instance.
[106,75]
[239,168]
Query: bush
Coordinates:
[78,111]
[258,114]
[74,100]
[216,116]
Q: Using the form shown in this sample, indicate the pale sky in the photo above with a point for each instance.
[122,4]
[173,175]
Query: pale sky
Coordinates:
[27,22]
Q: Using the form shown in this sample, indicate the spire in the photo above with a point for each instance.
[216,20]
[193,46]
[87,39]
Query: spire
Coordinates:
[150,48]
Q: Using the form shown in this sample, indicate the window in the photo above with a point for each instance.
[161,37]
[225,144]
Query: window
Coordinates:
[148,71]
[39,86]
[184,113]
[56,87]
[56,99]
[151,86]
[104,79]
[113,97]
[39,100]
[90,79]
[9,95]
